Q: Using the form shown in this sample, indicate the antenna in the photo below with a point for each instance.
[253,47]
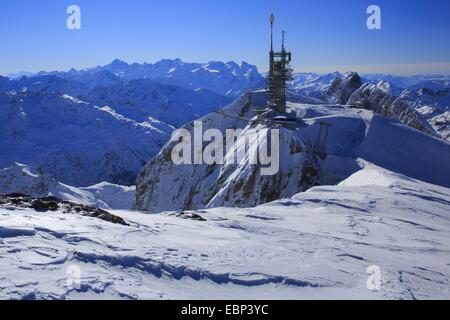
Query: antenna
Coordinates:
[283,34]
[272,20]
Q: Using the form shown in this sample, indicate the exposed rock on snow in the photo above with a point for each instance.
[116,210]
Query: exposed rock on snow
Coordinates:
[22,179]
[441,123]
[17,201]
[341,88]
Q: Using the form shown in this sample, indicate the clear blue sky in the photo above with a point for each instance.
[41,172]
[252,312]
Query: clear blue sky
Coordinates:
[324,35]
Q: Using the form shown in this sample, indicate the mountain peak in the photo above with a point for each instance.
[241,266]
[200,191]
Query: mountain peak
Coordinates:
[118,63]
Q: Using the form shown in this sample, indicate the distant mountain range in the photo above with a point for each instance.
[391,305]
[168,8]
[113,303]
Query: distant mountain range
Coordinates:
[310,83]
[229,79]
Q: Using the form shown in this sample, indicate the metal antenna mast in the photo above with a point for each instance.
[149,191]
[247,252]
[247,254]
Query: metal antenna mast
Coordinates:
[272,20]
[280,73]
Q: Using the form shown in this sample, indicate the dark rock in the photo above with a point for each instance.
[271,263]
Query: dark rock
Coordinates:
[191,216]
[17,195]
[51,198]
[341,89]
[54,204]
[42,205]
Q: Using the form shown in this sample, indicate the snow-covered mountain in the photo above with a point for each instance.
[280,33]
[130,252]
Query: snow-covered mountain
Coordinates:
[415,82]
[341,88]
[75,141]
[313,84]
[22,180]
[305,160]
[167,103]
[329,88]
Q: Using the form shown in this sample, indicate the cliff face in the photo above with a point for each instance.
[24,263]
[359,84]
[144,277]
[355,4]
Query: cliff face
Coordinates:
[341,88]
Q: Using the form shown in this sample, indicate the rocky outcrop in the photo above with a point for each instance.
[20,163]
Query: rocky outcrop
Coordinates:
[52,204]
[341,88]
[441,123]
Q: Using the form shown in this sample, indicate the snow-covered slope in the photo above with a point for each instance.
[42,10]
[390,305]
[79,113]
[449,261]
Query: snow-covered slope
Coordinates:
[169,104]
[304,160]
[21,179]
[316,245]
[112,195]
[312,84]
[74,141]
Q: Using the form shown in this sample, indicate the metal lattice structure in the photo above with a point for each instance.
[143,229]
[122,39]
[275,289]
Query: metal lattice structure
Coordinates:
[280,73]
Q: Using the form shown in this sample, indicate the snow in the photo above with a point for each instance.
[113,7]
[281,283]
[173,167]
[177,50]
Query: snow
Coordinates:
[373,176]
[113,196]
[317,245]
